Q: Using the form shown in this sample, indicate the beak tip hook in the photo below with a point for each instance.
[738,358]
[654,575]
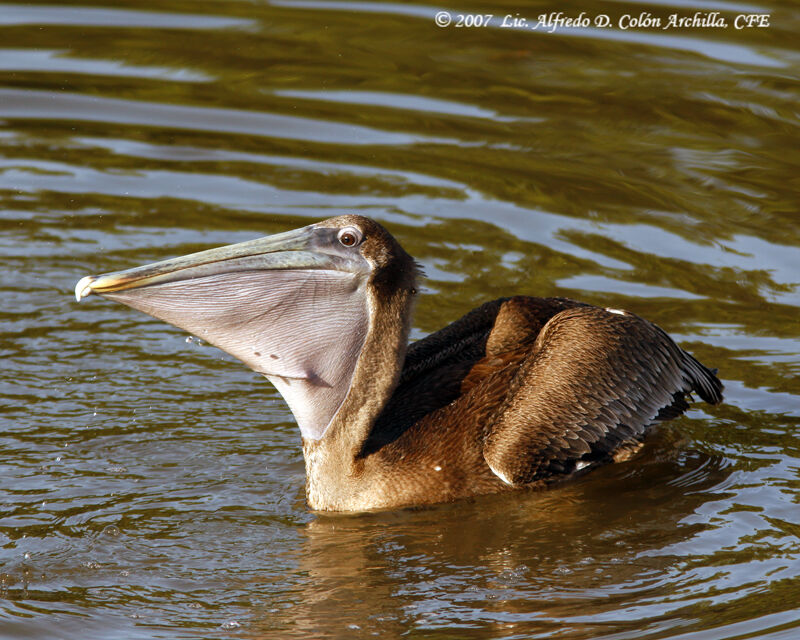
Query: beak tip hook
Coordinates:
[84,287]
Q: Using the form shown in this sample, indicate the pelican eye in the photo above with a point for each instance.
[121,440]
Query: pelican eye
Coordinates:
[349,236]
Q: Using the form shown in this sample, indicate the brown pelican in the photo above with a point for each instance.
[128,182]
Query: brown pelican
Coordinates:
[519,393]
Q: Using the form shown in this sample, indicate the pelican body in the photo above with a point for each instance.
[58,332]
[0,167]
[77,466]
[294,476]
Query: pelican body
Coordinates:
[519,393]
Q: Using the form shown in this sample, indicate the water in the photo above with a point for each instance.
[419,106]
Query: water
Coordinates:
[151,487]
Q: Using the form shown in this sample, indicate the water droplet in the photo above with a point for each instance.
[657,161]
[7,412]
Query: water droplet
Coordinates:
[230,624]
[112,531]
[116,468]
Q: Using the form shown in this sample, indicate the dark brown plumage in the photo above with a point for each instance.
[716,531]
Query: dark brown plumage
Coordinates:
[519,393]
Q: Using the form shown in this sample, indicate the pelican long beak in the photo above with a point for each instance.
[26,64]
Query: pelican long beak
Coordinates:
[297,249]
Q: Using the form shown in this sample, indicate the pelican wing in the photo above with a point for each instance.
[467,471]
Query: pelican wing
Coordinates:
[592,382]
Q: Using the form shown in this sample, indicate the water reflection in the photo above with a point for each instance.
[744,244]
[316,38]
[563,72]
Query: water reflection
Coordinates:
[529,563]
[15,14]
[46,105]
[59,61]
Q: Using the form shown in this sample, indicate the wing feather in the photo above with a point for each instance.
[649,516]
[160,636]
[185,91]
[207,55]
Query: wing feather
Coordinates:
[593,381]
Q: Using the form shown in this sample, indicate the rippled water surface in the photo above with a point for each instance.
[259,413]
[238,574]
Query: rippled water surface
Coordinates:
[152,487]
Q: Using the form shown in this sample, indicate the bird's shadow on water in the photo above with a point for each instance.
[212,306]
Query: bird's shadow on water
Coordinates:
[522,556]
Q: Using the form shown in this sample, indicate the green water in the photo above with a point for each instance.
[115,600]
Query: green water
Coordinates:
[152,487]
